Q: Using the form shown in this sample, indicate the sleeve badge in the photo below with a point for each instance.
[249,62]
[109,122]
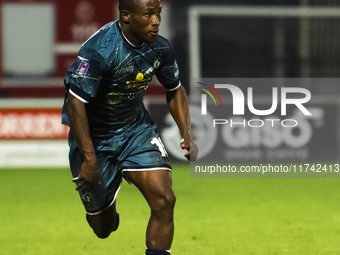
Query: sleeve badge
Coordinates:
[83,68]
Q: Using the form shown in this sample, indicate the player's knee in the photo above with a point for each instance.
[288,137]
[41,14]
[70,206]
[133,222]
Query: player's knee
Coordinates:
[102,234]
[164,203]
[103,229]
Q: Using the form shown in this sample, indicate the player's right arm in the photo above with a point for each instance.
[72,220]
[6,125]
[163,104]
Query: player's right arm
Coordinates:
[89,172]
[83,79]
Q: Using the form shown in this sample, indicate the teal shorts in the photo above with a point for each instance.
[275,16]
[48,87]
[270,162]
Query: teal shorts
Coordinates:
[136,149]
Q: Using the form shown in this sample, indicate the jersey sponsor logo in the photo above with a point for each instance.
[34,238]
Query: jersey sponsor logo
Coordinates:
[141,82]
[83,68]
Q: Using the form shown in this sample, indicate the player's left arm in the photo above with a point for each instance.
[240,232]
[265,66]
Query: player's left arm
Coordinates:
[177,101]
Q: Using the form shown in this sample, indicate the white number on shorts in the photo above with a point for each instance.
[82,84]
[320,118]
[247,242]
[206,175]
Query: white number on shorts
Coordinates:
[160,145]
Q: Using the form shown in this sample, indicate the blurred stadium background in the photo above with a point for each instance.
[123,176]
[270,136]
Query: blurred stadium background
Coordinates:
[216,38]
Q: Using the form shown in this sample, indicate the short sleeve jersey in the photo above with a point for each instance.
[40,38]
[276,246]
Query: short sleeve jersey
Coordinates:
[110,75]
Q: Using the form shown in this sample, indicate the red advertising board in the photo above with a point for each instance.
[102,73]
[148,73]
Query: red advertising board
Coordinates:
[76,21]
[32,124]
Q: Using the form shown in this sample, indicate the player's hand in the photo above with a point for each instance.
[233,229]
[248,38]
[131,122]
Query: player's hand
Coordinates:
[88,177]
[189,145]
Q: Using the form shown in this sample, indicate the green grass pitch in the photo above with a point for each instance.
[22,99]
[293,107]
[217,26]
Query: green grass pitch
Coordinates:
[40,213]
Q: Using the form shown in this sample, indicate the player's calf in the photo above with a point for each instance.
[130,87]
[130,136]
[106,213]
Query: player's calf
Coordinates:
[161,226]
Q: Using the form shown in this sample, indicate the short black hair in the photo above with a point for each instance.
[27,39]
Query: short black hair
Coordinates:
[128,5]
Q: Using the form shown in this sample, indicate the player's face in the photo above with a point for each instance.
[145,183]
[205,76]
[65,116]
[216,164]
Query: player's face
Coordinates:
[145,21]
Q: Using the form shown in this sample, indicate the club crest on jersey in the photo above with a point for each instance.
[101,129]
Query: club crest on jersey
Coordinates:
[156,63]
[83,68]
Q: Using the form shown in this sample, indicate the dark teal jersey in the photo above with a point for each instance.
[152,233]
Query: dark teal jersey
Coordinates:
[110,75]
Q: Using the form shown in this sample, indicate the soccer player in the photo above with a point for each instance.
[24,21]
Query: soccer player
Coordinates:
[111,133]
